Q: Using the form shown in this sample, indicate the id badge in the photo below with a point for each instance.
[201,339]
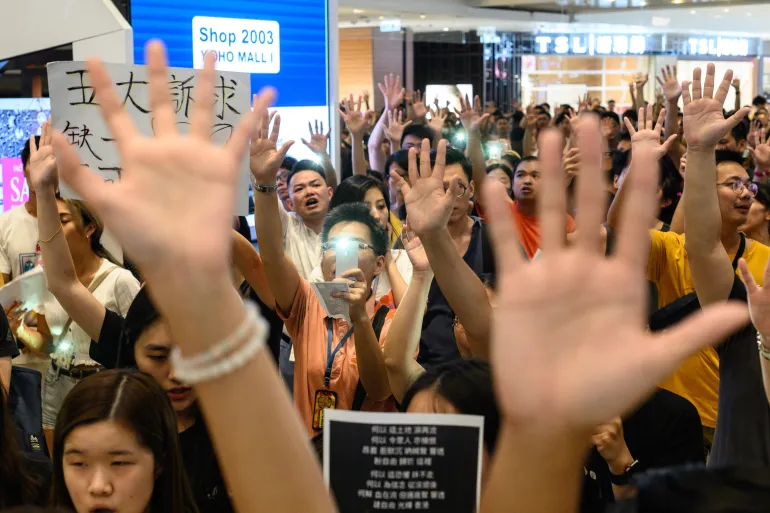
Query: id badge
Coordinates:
[323,399]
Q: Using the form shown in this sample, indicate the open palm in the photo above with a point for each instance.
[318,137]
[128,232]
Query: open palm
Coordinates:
[647,135]
[759,298]
[672,89]
[704,124]
[428,205]
[165,176]
[579,354]
[265,158]
[470,115]
[42,161]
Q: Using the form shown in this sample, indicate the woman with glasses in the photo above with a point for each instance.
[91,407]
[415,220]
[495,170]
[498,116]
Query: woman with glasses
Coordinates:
[390,285]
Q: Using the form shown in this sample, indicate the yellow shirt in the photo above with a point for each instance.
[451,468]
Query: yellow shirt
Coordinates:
[397,226]
[698,378]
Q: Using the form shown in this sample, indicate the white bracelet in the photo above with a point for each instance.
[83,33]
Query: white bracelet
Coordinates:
[764,352]
[202,367]
[224,347]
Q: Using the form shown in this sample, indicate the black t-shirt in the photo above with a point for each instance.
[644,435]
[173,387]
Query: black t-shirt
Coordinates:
[202,468]
[275,322]
[437,343]
[7,341]
[743,424]
[108,348]
[597,487]
[665,431]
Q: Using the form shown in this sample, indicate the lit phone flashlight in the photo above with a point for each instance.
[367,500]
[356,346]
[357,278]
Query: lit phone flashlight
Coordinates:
[347,256]
[495,150]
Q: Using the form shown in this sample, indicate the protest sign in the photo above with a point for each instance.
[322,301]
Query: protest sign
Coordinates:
[398,461]
[75,112]
[15,188]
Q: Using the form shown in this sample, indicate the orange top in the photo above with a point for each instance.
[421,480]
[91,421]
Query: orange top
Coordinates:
[307,326]
[529,227]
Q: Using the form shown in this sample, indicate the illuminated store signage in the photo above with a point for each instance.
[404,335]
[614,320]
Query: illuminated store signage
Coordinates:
[718,46]
[591,44]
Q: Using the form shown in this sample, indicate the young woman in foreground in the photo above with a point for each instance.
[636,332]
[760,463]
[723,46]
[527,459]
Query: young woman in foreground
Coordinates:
[569,370]
[116,449]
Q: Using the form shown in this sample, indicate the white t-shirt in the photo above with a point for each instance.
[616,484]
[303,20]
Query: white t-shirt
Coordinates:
[301,244]
[381,283]
[116,293]
[18,241]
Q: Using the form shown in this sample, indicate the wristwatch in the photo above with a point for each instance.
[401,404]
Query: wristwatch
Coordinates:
[266,189]
[623,478]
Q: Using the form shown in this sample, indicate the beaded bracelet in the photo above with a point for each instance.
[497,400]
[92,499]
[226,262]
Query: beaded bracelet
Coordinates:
[218,361]
[764,351]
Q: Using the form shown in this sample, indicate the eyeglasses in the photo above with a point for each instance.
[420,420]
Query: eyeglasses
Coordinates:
[345,244]
[461,188]
[738,185]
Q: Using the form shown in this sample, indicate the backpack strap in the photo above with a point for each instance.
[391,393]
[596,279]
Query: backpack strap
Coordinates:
[378,322]
[741,250]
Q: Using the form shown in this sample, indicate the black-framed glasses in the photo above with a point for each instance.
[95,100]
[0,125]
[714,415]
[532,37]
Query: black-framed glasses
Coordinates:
[462,188]
[345,244]
[738,185]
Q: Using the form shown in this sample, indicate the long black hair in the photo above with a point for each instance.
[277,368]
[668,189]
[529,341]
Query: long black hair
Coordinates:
[137,402]
[354,189]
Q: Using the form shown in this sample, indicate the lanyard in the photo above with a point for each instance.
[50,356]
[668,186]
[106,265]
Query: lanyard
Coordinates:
[329,354]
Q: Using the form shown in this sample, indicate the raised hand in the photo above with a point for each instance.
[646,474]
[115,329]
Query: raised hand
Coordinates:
[704,124]
[470,115]
[571,164]
[355,119]
[265,158]
[318,139]
[736,83]
[42,161]
[437,119]
[415,250]
[392,91]
[672,90]
[419,107]
[759,299]
[683,165]
[640,80]
[649,136]
[761,150]
[166,177]
[569,366]
[583,103]
[396,126]
[428,205]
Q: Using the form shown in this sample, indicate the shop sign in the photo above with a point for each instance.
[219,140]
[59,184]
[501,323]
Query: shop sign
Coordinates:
[718,46]
[591,44]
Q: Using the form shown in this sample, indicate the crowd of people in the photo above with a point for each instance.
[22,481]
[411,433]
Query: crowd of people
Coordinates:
[541,268]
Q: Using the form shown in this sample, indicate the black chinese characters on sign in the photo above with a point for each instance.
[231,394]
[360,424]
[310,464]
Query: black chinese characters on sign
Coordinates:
[403,462]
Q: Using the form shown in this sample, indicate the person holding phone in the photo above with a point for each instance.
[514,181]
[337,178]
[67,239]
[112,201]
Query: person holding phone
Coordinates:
[332,356]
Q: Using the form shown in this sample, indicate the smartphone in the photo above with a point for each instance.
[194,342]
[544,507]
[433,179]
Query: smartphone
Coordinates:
[347,259]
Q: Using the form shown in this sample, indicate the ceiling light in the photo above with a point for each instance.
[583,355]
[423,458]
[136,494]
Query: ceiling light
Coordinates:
[642,4]
[692,11]
[358,11]
[382,17]
[446,29]
[727,10]
[677,1]
[422,16]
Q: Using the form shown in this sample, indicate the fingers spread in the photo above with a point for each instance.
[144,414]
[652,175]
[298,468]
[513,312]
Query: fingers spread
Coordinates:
[200,120]
[591,186]
[708,84]
[118,120]
[552,204]
[160,96]
[724,86]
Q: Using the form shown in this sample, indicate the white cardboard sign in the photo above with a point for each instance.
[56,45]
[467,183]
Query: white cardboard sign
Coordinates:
[75,112]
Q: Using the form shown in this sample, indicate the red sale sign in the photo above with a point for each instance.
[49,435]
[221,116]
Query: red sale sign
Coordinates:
[15,189]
